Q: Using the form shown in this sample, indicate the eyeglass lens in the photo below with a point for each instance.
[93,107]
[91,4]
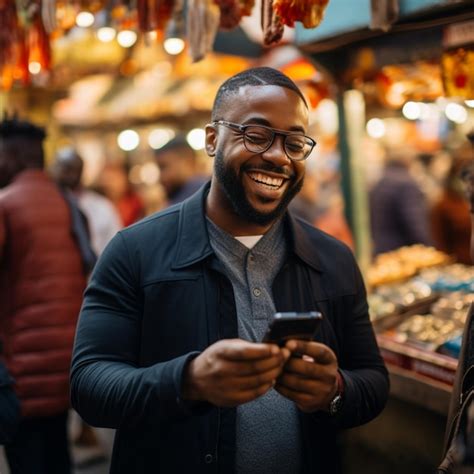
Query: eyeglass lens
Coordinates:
[258,139]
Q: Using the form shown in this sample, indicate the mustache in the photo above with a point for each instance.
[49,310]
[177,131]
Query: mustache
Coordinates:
[268,167]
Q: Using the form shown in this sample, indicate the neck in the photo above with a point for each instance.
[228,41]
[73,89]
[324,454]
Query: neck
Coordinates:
[221,212]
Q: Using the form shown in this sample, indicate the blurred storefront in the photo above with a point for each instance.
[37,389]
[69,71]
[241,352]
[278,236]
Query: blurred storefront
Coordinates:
[106,79]
[405,78]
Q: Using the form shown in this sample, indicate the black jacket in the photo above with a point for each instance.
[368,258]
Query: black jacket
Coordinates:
[158,296]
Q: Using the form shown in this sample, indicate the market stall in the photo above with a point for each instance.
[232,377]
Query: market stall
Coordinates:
[391,93]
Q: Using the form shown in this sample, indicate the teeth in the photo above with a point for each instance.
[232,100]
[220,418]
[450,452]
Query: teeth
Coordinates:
[269,181]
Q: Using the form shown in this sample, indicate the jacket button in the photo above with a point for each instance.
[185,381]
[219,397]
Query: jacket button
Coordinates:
[208,458]
[257,292]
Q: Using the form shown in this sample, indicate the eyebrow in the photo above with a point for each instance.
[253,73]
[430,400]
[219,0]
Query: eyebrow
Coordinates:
[262,121]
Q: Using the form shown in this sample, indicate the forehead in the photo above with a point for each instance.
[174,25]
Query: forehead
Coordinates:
[69,164]
[283,108]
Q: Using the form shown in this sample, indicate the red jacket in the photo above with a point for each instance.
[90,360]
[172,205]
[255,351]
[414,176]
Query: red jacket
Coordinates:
[41,285]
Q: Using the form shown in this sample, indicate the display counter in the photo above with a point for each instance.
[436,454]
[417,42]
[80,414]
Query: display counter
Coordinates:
[418,311]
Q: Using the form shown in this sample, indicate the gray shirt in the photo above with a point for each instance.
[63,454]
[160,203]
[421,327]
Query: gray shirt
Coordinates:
[268,439]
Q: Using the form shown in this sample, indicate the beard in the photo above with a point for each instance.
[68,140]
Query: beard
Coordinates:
[231,183]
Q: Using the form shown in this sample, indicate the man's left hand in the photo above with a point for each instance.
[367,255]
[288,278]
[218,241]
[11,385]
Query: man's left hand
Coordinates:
[309,381]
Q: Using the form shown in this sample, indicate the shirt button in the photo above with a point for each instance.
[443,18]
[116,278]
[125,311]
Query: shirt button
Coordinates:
[251,258]
[208,458]
[257,292]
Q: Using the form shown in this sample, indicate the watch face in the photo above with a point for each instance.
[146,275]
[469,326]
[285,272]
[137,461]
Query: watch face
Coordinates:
[335,405]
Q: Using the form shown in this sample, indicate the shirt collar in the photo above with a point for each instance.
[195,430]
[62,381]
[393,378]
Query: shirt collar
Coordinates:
[193,240]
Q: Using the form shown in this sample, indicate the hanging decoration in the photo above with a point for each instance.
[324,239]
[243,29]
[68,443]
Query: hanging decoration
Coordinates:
[28,26]
[458,72]
[309,12]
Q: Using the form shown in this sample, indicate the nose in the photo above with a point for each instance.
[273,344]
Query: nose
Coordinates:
[276,152]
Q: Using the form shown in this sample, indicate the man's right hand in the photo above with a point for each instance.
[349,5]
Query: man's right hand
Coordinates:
[232,371]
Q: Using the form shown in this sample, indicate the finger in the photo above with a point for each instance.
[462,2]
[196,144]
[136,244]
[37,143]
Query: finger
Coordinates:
[253,367]
[319,352]
[246,396]
[306,369]
[248,383]
[297,397]
[286,354]
[239,350]
[299,384]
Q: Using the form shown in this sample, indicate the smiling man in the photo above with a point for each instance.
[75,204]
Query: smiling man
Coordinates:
[168,347]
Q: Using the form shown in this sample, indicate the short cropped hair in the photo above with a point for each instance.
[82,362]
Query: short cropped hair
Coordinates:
[259,76]
[12,128]
[179,141]
[15,132]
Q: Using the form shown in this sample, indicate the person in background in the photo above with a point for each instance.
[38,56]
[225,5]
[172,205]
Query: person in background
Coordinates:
[104,220]
[168,347]
[178,174]
[115,185]
[450,220]
[398,209]
[328,217]
[41,286]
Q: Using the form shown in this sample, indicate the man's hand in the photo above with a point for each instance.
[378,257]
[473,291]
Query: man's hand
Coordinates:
[233,371]
[310,381]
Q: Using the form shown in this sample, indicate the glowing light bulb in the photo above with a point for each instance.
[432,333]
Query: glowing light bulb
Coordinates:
[128,140]
[174,46]
[411,110]
[84,19]
[34,67]
[456,113]
[106,34]
[159,137]
[375,128]
[196,138]
[127,38]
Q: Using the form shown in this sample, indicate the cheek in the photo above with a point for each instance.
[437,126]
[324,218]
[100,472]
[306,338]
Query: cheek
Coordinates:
[300,169]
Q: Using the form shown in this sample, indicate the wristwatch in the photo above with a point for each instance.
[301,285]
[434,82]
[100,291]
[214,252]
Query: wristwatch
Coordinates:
[336,403]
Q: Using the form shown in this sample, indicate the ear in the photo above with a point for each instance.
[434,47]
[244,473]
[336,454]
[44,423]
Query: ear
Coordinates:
[211,140]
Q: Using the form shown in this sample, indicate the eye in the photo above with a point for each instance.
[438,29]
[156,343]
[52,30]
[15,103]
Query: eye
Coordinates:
[257,135]
[295,143]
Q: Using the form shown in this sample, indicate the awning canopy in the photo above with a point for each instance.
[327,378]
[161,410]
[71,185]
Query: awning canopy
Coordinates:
[343,24]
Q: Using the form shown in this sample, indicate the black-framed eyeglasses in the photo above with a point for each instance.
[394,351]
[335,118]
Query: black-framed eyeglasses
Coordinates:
[259,138]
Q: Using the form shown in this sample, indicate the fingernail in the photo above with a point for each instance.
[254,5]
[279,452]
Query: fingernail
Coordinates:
[291,345]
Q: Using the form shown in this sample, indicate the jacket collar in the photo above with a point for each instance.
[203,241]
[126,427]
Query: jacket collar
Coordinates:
[30,174]
[193,240]
[301,243]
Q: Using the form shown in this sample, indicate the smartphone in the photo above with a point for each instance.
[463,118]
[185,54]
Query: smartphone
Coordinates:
[292,325]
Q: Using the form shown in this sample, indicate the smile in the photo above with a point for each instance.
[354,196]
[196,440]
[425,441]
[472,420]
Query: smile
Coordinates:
[267,181]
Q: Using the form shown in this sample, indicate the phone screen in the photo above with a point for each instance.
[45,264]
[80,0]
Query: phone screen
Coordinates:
[292,325]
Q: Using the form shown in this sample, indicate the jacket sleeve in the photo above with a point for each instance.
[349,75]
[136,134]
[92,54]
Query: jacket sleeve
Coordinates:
[108,387]
[366,382]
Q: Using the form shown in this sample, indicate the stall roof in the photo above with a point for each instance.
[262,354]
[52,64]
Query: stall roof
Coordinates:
[341,18]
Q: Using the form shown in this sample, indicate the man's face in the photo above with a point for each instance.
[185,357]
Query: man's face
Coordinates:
[174,165]
[69,172]
[244,176]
